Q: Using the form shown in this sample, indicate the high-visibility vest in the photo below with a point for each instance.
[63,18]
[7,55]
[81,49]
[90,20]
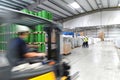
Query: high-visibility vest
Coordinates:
[85,39]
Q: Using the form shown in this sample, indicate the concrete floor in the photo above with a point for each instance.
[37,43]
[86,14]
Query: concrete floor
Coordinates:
[98,62]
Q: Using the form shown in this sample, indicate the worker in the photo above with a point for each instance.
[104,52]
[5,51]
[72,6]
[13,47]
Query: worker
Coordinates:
[85,43]
[18,49]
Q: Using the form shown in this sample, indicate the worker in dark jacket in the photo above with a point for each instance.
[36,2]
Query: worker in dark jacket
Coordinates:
[18,50]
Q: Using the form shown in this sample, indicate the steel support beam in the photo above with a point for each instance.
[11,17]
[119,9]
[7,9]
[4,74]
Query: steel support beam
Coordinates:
[68,4]
[108,1]
[12,4]
[81,6]
[57,4]
[25,2]
[97,4]
[101,3]
[89,12]
[19,3]
[118,3]
[8,6]
[90,5]
[55,9]
[34,5]
[38,9]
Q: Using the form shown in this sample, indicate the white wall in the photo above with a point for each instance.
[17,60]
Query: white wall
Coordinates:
[108,18]
[109,31]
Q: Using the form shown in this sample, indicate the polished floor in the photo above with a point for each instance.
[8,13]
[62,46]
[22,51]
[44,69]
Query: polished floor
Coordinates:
[98,62]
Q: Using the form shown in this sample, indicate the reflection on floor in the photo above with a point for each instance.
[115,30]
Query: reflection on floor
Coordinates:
[98,62]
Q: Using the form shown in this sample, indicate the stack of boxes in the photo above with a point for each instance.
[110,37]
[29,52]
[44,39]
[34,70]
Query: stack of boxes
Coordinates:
[67,45]
[101,35]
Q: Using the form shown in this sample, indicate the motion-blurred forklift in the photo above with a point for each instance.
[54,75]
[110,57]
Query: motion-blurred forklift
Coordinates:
[50,68]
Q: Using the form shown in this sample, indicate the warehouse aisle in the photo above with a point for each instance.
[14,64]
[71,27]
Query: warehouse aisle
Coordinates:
[98,62]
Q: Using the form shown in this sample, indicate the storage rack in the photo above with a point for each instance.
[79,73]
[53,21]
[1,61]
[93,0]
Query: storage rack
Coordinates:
[37,35]
[7,31]
[17,17]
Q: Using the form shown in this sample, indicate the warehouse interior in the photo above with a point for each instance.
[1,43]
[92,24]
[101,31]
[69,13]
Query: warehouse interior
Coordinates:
[60,39]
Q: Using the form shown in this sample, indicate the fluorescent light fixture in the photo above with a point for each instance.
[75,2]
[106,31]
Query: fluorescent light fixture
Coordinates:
[75,5]
[71,7]
[82,11]
[119,4]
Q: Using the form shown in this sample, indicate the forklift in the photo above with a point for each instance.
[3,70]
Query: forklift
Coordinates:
[50,68]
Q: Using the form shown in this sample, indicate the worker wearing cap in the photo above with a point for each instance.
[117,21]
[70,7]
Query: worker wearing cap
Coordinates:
[18,50]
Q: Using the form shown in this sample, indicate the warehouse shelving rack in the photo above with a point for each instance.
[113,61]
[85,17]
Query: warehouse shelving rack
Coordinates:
[17,17]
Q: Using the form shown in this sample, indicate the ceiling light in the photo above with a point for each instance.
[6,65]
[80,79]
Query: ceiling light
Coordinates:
[75,5]
[71,7]
[119,4]
[82,10]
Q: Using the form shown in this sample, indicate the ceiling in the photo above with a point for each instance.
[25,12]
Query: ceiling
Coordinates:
[60,8]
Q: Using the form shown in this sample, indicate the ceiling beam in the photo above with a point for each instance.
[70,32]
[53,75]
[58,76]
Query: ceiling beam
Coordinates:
[101,3]
[97,4]
[54,15]
[25,2]
[50,10]
[24,6]
[12,4]
[108,1]
[37,9]
[55,9]
[34,5]
[8,6]
[40,2]
[81,6]
[89,12]
[57,4]
[90,5]
[118,3]
[19,3]
[52,5]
